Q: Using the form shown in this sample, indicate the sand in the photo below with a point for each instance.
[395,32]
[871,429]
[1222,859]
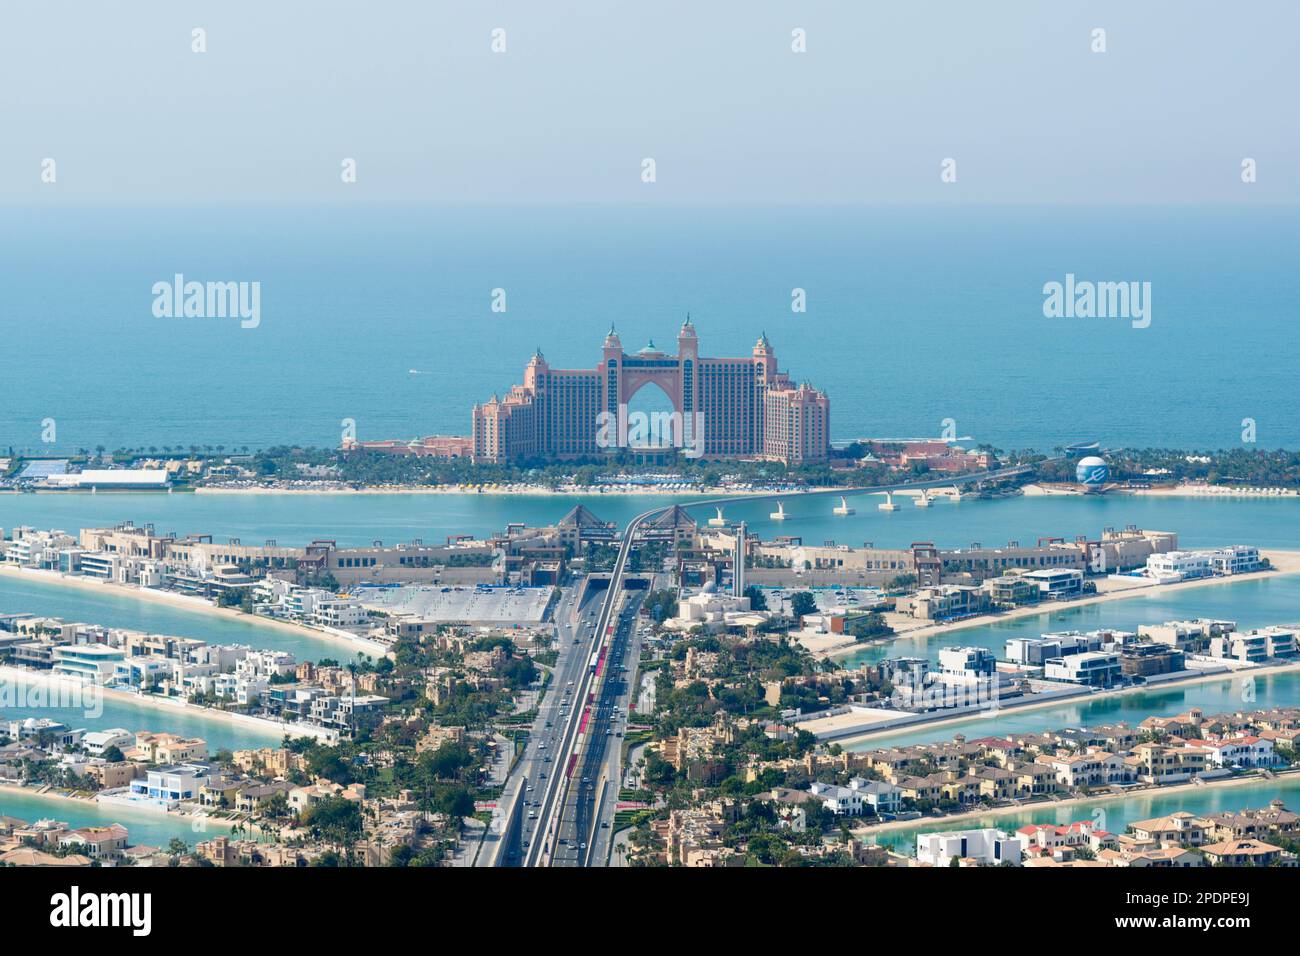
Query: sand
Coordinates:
[1193,678]
[942,823]
[188,602]
[1213,491]
[162,704]
[61,795]
[1284,563]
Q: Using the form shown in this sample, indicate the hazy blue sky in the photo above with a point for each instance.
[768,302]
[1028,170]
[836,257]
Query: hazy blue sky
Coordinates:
[710,90]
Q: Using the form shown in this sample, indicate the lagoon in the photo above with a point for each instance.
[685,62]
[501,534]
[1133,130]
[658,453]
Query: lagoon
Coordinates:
[119,607]
[1252,601]
[1115,815]
[360,519]
[144,827]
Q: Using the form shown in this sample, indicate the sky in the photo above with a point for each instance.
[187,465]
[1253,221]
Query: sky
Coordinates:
[713,92]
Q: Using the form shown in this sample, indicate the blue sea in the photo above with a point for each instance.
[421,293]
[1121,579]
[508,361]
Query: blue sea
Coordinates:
[382,314]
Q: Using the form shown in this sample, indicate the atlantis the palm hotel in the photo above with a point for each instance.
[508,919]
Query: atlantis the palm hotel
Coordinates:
[731,407]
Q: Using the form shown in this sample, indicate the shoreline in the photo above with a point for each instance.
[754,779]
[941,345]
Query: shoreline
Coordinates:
[196,604]
[81,688]
[1284,563]
[474,490]
[55,795]
[1186,490]
[1225,784]
[1189,681]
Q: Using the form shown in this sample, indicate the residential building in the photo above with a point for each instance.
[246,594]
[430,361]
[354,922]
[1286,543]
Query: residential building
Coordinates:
[986,847]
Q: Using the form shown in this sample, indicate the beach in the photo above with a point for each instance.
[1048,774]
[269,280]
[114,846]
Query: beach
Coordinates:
[1214,491]
[941,823]
[80,799]
[75,689]
[573,491]
[1283,563]
[192,603]
[1192,679]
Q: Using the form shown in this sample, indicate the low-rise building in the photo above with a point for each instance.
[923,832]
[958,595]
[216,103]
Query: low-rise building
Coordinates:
[1093,668]
[986,847]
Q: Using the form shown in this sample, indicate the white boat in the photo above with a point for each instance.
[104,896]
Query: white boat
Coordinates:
[779,513]
[719,521]
[843,508]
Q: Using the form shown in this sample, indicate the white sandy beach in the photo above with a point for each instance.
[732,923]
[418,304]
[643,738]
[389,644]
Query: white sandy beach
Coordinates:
[188,602]
[1284,563]
[1214,491]
[60,796]
[990,714]
[74,689]
[522,490]
[942,823]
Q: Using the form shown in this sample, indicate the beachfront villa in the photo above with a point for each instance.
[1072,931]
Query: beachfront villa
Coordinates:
[167,786]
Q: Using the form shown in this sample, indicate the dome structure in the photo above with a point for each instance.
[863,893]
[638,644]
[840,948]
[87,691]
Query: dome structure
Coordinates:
[1092,471]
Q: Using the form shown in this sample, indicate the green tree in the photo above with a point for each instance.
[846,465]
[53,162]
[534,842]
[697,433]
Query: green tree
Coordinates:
[802,602]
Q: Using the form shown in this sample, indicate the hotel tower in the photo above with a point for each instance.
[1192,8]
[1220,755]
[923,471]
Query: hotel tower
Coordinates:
[722,407]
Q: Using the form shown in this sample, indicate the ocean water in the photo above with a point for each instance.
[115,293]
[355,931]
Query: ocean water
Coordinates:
[359,519]
[382,314]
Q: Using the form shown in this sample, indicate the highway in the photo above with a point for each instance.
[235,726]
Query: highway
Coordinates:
[575,634]
[595,775]
[573,769]
[550,808]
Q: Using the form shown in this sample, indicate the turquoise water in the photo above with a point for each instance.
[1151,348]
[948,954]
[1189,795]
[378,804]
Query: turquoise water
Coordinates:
[144,827]
[1251,602]
[915,314]
[116,607]
[137,716]
[354,519]
[296,519]
[1229,694]
[1115,815]
[359,519]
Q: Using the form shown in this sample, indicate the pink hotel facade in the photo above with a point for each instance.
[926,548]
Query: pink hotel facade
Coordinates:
[745,407]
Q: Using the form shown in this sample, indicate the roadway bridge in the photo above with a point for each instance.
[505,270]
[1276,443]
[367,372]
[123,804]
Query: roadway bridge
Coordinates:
[559,828]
